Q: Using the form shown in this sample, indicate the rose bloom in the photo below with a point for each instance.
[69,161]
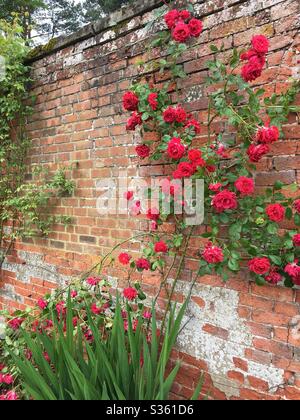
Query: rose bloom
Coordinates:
[251,71]
[143,151]
[259,266]
[293,270]
[153,214]
[184,15]
[181,115]
[130,293]
[267,135]
[213,254]
[147,315]
[15,323]
[195,27]
[130,101]
[245,185]
[170,188]
[6,379]
[181,32]
[215,187]
[194,155]
[184,170]
[260,44]
[198,163]
[93,281]
[225,200]
[211,168]
[152,101]
[297,206]
[128,195]
[143,264]
[124,258]
[160,247]
[9,396]
[193,124]
[134,121]
[42,304]
[169,115]
[275,212]
[95,310]
[74,294]
[273,277]
[153,226]
[256,152]
[296,239]
[176,149]
[171,18]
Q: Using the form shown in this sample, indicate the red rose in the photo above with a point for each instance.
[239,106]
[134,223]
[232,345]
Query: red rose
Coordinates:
[293,270]
[194,124]
[180,115]
[143,264]
[171,18]
[260,44]
[134,121]
[267,135]
[92,281]
[259,265]
[273,277]
[95,310]
[184,170]
[153,214]
[198,163]
[211,168]
[143,151]
[251,71]
[248,55]
[152,101]
[195,27]
[130,101]
[275,212]
[181,32]
[225,200]
[176,149]
[124,258]
[296,239]
[184,15]
[215,187]
[297,205]
[256,152]
[213,254]
[128,195]
[130,293]
[194,155]
[42,304]
[161,247]
[245,185]
[169,115]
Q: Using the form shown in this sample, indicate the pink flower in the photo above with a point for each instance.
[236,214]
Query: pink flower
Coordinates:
[195,27]
[15,323]
[147,315]
[275,212]
[296,239]
[6,379]
[61,308]
[95,310]
[9,396]
[259,266]
[297,206]
[153,226]
[161,247]
[267,135]
[213,254]
[176,149]
[293,270]
[153,214]
[143,151]
[143,264]
[74,294]
[170,188]
[245,185]
[124,258]
[130,101]
[42,304]
[260,44]
[152,101]
[135,209]
[93,281]
[130,293]
[225,200]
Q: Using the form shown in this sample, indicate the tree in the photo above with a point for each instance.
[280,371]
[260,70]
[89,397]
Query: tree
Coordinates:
[95,9]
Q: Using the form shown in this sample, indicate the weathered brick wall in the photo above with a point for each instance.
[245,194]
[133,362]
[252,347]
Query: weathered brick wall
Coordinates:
[246,338]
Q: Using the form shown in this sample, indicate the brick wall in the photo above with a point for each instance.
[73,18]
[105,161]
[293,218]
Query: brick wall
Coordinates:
[244,337]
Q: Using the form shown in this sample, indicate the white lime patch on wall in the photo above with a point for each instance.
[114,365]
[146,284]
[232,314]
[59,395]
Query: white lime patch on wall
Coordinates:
[221,310]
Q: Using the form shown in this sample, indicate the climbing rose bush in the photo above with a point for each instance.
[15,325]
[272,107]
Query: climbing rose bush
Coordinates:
[256,239]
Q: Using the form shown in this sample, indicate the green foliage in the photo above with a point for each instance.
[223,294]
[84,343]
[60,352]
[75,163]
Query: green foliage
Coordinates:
[121,365]
[24,209]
